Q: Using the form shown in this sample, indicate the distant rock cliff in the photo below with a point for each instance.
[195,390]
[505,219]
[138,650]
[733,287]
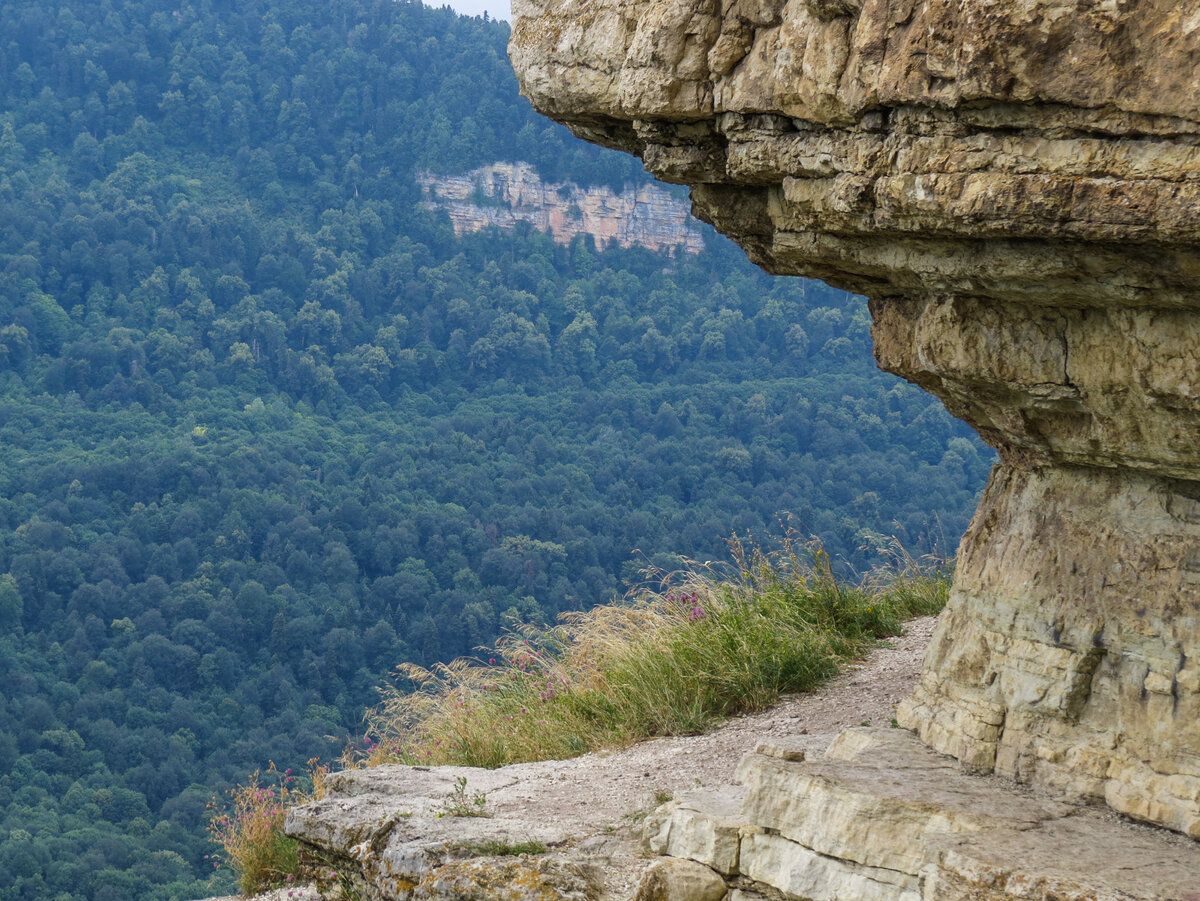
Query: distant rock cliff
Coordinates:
[504,194]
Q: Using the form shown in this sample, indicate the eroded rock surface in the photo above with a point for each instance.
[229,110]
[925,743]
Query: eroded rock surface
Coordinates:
[378,833]
[434,834]
[1016,186]
[880,817]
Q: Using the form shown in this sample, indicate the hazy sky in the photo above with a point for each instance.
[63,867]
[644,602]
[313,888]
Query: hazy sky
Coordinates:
[497,9]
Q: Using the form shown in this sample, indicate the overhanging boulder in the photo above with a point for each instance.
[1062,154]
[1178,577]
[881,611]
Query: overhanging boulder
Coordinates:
[1016,187]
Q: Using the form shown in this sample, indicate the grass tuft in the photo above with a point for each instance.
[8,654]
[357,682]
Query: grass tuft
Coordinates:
[460,803]
[250,835]
[705,643]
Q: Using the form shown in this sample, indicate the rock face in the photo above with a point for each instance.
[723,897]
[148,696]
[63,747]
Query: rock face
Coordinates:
[878,817]
[1016,186]
[504,194]
[418,834]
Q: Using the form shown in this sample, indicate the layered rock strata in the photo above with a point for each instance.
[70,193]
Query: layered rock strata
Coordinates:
[869,815]
[1016,187]
[878,817]
[504,195]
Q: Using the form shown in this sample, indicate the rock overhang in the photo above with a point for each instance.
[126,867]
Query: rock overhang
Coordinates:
[1016,187]
[895,143]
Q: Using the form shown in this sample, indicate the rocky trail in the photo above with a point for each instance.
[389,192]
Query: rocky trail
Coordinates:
[591,808]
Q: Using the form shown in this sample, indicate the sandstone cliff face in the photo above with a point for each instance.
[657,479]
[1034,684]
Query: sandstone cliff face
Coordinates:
[504,194]
[1016,186]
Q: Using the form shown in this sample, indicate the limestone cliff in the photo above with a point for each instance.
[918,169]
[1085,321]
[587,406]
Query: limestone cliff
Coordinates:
[1016,186]
[504,194]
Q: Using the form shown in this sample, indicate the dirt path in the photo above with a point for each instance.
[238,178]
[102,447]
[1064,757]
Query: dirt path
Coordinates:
[613,790]
[610,784]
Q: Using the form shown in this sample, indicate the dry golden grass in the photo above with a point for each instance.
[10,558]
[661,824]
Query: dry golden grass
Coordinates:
[250,835]
[706,643]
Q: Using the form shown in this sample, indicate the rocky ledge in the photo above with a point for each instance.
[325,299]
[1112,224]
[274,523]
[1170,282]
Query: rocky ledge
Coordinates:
[398,832]
[876,816]
[868,815]
[1016,187]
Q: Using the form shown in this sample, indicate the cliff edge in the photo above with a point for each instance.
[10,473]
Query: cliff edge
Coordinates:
[1016,188]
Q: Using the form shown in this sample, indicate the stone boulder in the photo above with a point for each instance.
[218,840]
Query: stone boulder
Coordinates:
[1016,188]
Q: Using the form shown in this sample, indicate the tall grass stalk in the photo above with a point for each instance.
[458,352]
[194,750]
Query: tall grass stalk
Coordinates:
[705,643]
[250,834]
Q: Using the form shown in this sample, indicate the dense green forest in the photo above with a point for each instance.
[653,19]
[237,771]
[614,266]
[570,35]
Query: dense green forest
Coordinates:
[270,429]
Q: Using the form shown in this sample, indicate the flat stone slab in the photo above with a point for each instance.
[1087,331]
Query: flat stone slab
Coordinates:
[430,833]
[876,796]
[1087,855]
[879,816]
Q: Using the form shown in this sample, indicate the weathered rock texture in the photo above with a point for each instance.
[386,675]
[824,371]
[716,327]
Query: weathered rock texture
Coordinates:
[380,832]
[1016,186]
[504,194]
[402,834]
[871,815]
[878,817]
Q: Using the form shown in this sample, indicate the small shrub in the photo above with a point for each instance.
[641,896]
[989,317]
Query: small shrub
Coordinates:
[460,803]
[705,643]
[250,835]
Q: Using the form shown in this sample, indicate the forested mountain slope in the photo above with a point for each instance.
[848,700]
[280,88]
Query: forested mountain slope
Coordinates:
[269,428]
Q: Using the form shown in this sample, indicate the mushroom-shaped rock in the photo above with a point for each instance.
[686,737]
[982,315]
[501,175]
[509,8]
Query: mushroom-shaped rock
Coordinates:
[1016,188]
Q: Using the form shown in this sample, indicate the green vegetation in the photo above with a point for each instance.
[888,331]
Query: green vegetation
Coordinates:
[250,831]
[461,803]
[270,429]
[663,662]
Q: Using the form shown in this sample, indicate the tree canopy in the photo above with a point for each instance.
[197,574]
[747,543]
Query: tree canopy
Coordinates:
[271,429]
